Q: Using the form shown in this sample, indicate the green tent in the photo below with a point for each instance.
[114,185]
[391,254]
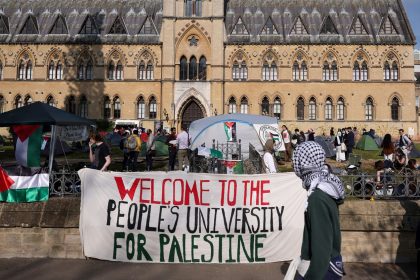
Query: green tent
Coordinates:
[367,143]
[161,149]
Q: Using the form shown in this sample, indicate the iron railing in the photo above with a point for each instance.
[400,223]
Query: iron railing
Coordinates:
[395,185]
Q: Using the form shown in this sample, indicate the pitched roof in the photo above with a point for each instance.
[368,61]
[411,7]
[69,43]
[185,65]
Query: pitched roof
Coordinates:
[104,12]
[313,14]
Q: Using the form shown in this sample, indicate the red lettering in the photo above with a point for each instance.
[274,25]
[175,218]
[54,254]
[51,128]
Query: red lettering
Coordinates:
[222,195]
[143,189]
[203,190]
[164,202]
[245,191]
[231,199]
[254,189]
[180,182]
[193,191]
[123,191]
[264,192]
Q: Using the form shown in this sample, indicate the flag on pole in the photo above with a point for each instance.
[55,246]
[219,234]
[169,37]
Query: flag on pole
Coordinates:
[23,184]
[28,145]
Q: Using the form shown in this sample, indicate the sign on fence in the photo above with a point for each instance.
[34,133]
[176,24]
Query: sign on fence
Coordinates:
[72,133]
[191,218]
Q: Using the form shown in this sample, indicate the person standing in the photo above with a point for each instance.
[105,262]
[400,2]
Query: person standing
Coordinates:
[311,135]
[388,149]
[171,142]
[321,246]
[332,133]
[99,154]
[268,159]
[338,141]
[350,142]
[287,143]
[124,149]
[151,150]
[404,143]
[133,146]
[183,146]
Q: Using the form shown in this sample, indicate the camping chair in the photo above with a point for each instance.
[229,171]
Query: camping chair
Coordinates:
[355,163]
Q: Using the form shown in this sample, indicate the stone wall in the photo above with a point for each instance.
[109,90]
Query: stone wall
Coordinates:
[372,231]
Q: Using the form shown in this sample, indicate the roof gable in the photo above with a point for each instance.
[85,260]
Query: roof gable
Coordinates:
[269,28]
[388,27]
[328,26]
[89,26]
[148,27]
[30,26]
[358,27]
[4,25]
[299,27]
[118,27]
[59,26]
[239,28]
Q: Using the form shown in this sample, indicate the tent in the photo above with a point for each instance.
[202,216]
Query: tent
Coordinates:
[414,152]
[378,140]
[367,143]
[328,146]
[42,113]
[250,129]
[61,147]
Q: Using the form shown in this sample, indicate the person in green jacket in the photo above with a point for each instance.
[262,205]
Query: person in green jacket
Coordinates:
[321,247]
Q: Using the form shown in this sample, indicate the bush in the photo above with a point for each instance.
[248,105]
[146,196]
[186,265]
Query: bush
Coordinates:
[104,125]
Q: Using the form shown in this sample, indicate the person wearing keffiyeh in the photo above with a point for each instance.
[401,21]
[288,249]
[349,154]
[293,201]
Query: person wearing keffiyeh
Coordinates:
[321,247]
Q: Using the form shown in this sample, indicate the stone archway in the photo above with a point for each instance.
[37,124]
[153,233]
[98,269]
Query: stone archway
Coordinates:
[191,110]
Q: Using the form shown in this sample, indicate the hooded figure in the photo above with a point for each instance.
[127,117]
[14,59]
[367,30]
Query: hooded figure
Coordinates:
[268,159]
[321,247]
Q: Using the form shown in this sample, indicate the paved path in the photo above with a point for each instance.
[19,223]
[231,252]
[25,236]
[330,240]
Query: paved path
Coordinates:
[45,269]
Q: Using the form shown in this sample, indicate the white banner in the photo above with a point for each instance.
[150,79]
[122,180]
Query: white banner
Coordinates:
[267,131]
[72,133]
[191,218]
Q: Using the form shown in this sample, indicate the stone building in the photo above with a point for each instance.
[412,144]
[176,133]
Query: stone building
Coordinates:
[312,64]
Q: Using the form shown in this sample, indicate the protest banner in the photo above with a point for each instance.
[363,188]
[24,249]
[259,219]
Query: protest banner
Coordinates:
[72,133]
[180,217]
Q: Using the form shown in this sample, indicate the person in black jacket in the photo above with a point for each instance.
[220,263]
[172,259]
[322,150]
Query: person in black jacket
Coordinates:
[350,142]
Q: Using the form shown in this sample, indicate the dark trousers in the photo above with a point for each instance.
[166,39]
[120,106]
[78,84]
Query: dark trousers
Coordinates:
[149,160]
[132,160]
[125,161]
[349,151]
[172,159]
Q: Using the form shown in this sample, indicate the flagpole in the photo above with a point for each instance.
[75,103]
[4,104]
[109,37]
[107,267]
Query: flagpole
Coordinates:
[52,149]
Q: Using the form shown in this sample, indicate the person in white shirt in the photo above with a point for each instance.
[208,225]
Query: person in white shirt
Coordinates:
[183,146]
[268,158]
[287,144]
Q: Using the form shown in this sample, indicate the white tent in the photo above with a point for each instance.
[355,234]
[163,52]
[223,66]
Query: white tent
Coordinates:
[252,129]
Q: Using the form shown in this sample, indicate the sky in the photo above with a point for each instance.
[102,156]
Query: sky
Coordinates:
[412,7]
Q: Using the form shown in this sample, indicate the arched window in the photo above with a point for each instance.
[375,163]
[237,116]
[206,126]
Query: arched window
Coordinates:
[29,70]
[51,101]
[266,72]
[395,109]
[387,71]
[232,105]
[235,71]
[340,109]
[356,71]
[18,101]
[111,70]
[243,71]
[119,71]
[364,76]
[312,109]
[192,74]
[141,108]
[395,71]
[152,108]
[369,109]
[21,70]
[202,69]
[265,106]
[328,109]
[193,8]
[89,70]
[107,107]
[51,71]
[300,109]
[1,104]
[300,71]
[326,71]
[71,104]
[83,107]
[142,71]
[149,71]
[269,72]
[59,71]
[244,105]
[183,69]
[117,107]
[334,71]
[277,108]
[28,100]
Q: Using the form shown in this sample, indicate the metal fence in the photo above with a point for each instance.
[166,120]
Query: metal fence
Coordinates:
[395,185]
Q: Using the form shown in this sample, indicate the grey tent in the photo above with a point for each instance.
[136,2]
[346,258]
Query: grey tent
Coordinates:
[326,145]
[378,140]
[414,153]
[61,148]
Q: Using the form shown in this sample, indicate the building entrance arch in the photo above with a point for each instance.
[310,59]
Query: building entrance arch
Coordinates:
[191,110]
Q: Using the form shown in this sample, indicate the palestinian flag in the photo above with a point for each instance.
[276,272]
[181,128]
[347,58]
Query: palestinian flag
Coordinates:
[275,137]
[230,130]
[234,167]
[23,184]
[28,144]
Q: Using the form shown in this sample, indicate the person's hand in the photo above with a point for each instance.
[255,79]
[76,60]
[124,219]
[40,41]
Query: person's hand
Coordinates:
[91,142]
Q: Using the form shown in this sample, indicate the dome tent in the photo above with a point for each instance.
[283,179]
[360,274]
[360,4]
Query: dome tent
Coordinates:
[250,129]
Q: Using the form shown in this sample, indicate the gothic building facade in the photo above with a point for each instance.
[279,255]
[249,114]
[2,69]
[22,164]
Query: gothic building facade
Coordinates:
[310,64]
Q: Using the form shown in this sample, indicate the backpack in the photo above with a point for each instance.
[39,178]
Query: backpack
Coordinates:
[131,143]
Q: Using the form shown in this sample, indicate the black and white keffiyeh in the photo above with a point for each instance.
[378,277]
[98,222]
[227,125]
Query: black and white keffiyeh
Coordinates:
[309,165]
